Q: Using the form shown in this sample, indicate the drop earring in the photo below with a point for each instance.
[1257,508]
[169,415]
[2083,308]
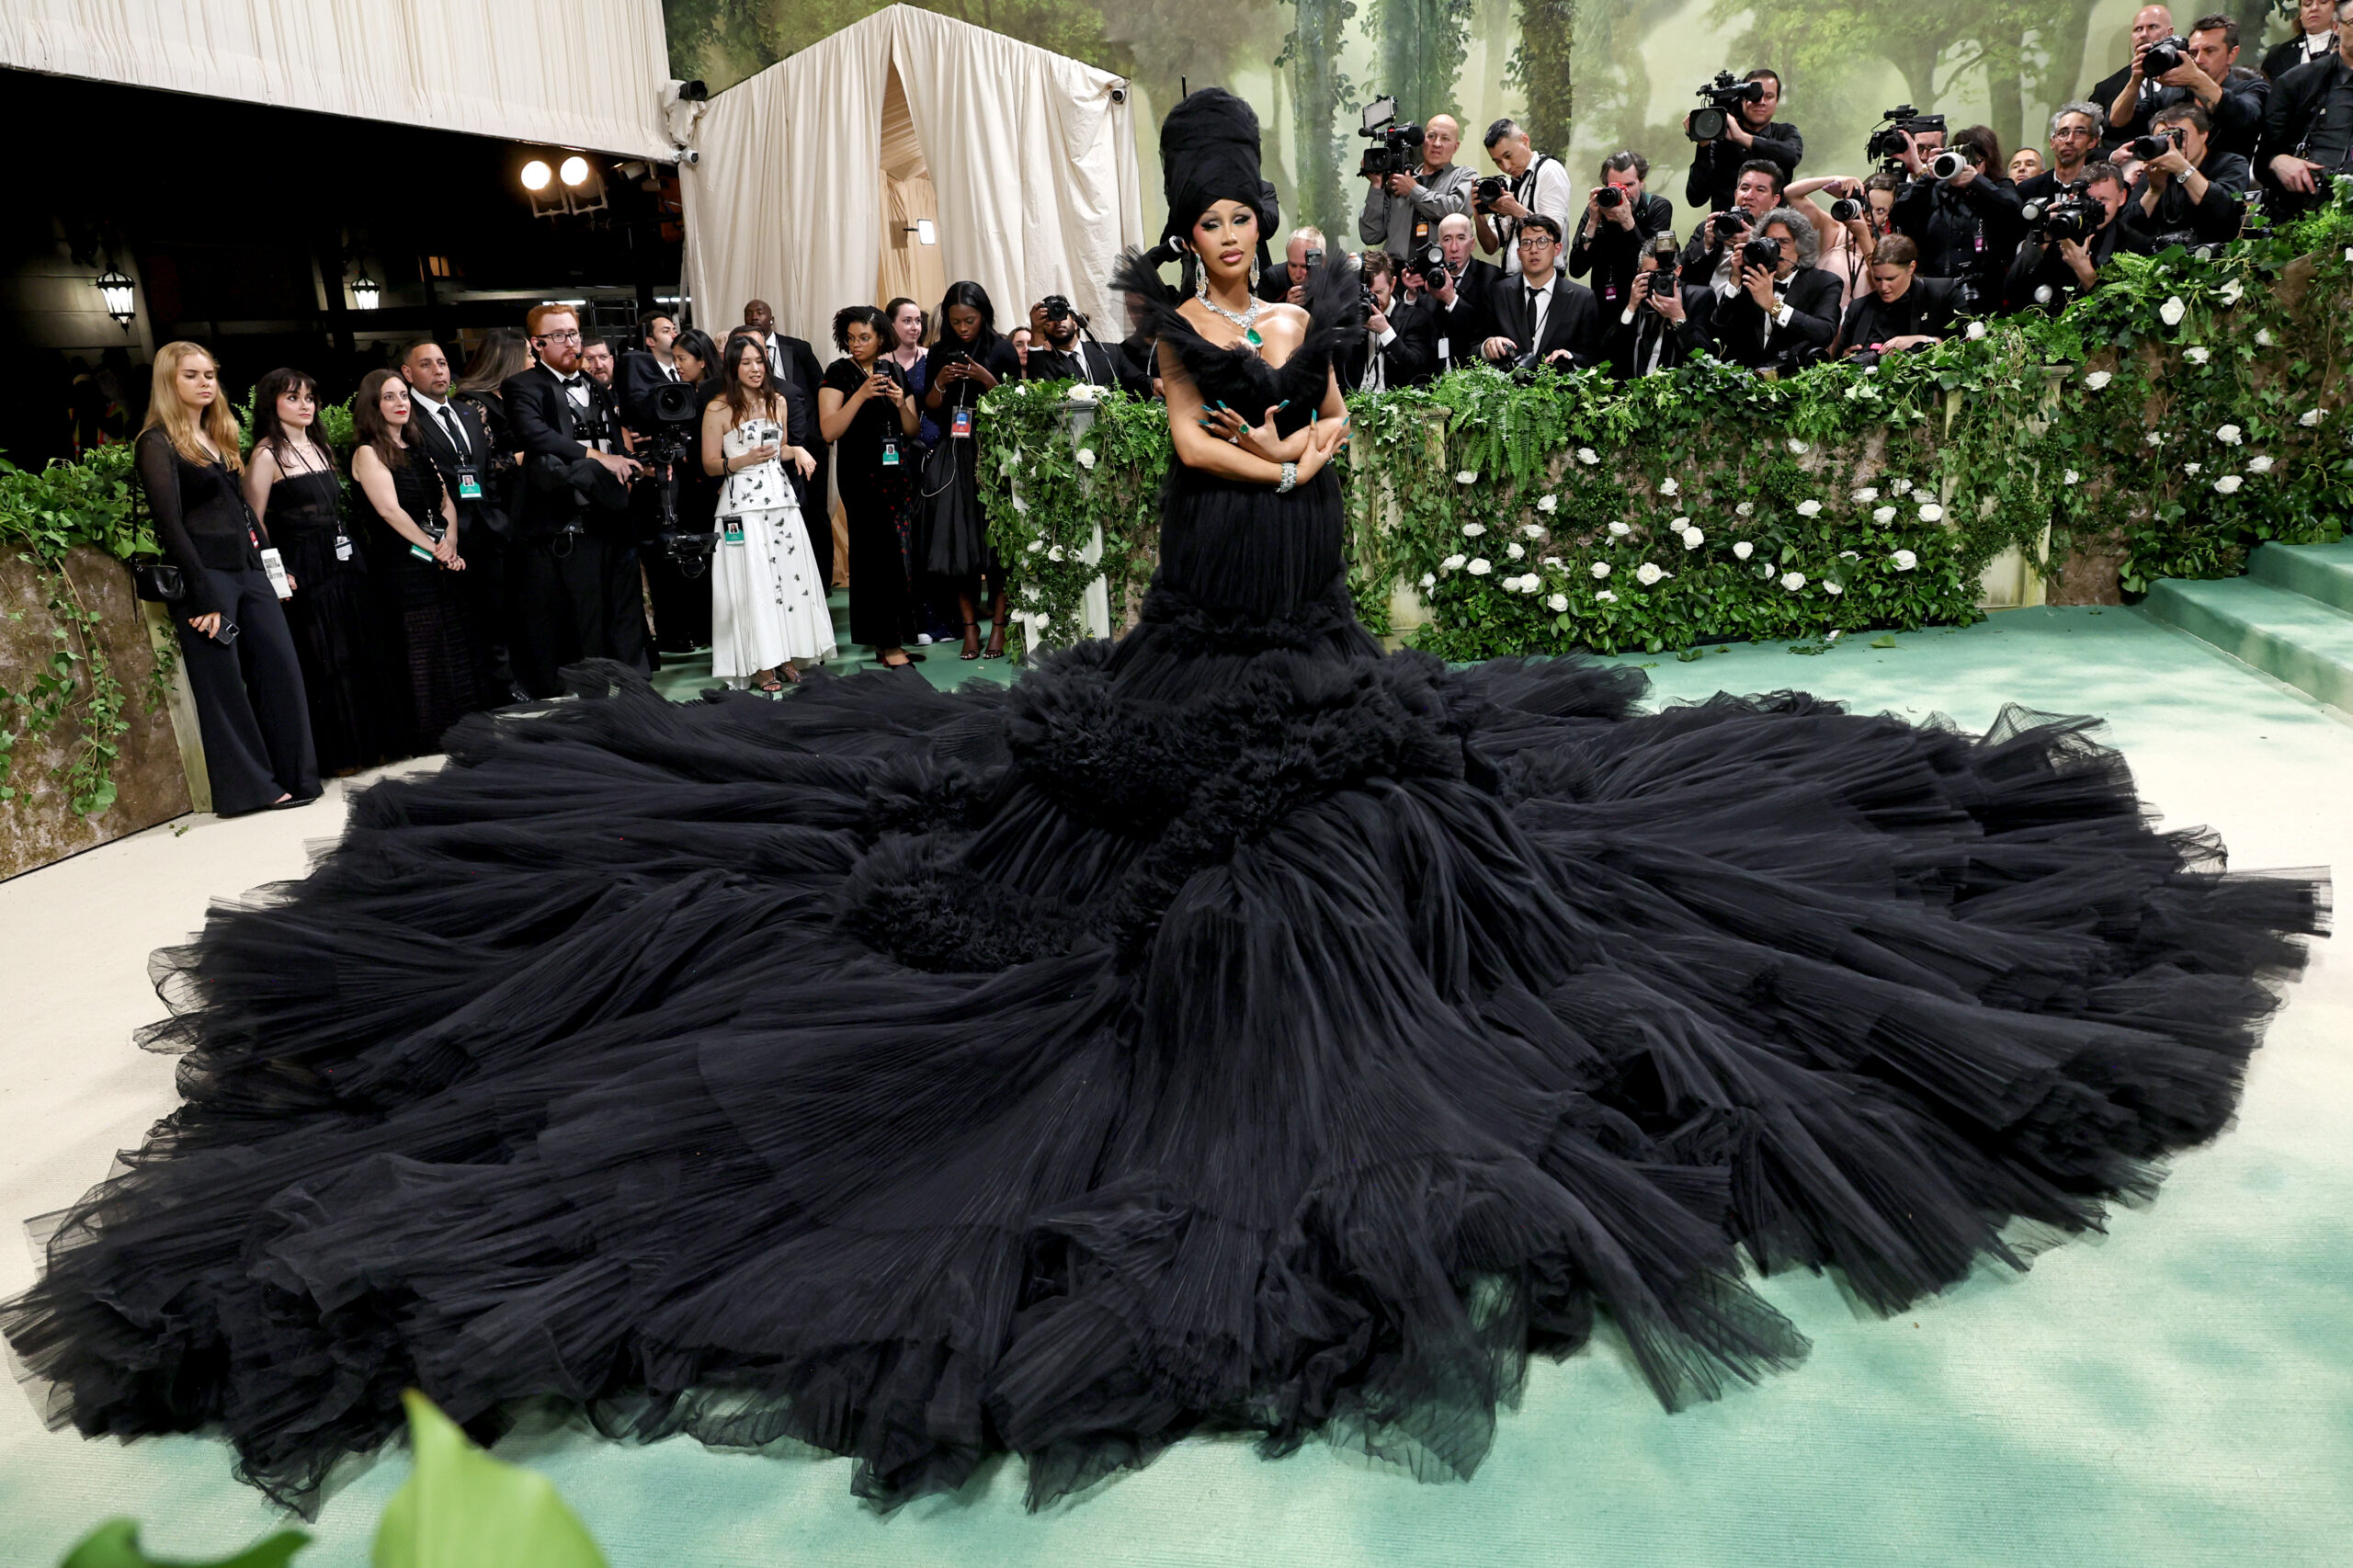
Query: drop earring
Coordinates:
[1254,275]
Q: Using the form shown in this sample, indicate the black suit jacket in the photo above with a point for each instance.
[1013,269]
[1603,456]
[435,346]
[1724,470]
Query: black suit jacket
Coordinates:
[1631,342]
[2285,57]
[1931,305]
[1458,329]
[548,430]
[433,439]
[1409,360]
[1737,325]
[635,380]
[794,366]
[1572,321]
[1614,254]
[1086,361]
[2296,110]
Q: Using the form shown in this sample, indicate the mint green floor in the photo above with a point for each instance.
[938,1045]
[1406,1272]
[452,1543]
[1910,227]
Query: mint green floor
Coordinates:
[2179,1392]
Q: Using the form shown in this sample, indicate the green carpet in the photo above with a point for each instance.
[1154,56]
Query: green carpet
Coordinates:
[2179,1392]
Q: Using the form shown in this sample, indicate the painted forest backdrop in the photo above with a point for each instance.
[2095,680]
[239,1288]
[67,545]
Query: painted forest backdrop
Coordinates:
[1586,76]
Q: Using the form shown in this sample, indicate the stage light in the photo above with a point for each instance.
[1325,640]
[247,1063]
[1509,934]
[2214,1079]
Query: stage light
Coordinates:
[575,171]
[926,233]
[365,295]
[536,175]
[116,290]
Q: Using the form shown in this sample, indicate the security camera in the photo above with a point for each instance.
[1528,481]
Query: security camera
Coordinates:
[1119,95]
[689,156]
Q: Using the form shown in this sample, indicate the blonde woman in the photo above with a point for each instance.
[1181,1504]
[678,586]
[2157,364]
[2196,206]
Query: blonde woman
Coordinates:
[767,599]
[234,643]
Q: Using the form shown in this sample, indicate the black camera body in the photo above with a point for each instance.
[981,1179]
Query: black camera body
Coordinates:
[669,419]
[1609,197]
[1730,225]
[2166,55]
[1424,264]
[1762,250]
[1886,146]
[2069,214]
[2157,144]
[1057,307]
[1669,275]
[1396,150]
[1724,95]
[1489,190]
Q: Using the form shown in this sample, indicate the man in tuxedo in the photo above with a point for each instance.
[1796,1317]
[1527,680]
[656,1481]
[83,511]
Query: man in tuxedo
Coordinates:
[793,368]
[1400,345]
[1459,296]
[643,369]
[1059,354]
[1542,318]
[1662,324]
[1782,317]
[1287,283]
[453,438]
[573,570]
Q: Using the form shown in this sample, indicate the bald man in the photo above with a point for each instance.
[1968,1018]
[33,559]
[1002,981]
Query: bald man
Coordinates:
[2126,96]
[1402,211]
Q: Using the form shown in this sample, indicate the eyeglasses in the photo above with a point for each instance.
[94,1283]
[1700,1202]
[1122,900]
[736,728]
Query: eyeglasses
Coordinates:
[1529,241]
[557,337]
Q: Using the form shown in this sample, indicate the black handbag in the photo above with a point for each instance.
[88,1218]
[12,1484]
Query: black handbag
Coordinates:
[157,580]
[948,543]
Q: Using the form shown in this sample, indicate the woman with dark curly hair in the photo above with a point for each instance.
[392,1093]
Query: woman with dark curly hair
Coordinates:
[865,410]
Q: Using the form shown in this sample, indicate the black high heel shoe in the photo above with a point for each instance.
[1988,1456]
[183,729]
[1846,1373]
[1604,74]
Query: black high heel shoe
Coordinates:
[971,640]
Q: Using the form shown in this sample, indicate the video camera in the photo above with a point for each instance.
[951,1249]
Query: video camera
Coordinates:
[1396,150]
[1886,146]
[2069,214]
[669,418]
[1725,95]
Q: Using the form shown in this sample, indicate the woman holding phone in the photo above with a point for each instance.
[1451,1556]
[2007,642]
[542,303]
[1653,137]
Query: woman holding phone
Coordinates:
[865,409]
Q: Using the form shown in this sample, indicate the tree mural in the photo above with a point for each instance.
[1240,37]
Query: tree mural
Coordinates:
[1542,67]
[1422,46]
[1319,90]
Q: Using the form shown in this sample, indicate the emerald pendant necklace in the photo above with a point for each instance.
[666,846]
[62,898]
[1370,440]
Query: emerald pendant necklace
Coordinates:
[1247,320]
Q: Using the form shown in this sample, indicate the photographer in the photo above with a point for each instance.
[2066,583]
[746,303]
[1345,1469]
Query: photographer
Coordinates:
[1966,223]
[2308,126]
[1400,345]
[1902,309]
[643,369]
[1783,313]
[2315,39]
[2191,193]
[2075,131]
[1531,183]
[2048,272]
[1751,133]
[1708,260]
[1542,318]
[2122,93]
[1061,356]
[2208,74]
[1457,292]
[1620,219]
[1402,212]
[1662,324]
[1287,284]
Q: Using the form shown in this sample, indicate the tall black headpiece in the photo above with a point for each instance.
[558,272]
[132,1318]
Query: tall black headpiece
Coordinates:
[1208,153]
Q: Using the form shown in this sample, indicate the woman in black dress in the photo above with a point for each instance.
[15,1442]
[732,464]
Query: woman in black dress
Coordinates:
[865,409]
[292,485]
[969,360]
[504,352]
[239,658]
[415,552]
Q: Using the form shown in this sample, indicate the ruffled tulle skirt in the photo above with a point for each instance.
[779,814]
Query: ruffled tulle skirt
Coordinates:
[1234,1028]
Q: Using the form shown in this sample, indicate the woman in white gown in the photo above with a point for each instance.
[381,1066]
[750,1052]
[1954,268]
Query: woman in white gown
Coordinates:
[768,602]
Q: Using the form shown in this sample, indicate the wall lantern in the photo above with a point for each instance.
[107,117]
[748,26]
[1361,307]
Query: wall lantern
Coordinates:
[365,294]
[116,290]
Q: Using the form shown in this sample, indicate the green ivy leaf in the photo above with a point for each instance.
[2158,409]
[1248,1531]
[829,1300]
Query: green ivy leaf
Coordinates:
[115,1544]
[461,1508]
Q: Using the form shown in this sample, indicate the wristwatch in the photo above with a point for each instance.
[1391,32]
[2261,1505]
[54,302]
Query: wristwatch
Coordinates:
[1290,480]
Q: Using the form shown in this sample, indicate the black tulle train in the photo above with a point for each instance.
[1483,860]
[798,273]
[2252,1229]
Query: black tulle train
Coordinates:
[1231,1028]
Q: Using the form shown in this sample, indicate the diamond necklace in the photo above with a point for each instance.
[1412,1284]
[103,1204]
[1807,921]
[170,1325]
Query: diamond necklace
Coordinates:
[1245,320]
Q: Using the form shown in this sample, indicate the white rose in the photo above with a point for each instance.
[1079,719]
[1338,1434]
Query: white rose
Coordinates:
[1677,525]
[1429,579]
[1931,512]
[1020,505]
[2071,479]
[1648,574]
[1809,509]
[1548,504]
[1514,550]
[1087,457]
[1558,603]
[1848,555]
[2229,485]
[1452,563]
[2263,338]
[1530,531]
[1668,487]
[1797,448]
[1043,619]
[2191,467]
[1976,330]
[1587,456]
[2259,465]
[1830,587]
[1055,553]
[1621,530]
[1029,592]
[1600,569]
[1884,515]
[2309,418]
[1472,530]
[1693,538]
[2231,291]
[1906,561]
[2155,438]
[2172,311]
[1747,508]
[2196,356]
[1606,596]
[1552,561]
[1531,582]
[1036,545]
[1480,567]
[1743,550]
[2228,435]
[1901,487]
[1793,581]
[2098,379]
[1866,495]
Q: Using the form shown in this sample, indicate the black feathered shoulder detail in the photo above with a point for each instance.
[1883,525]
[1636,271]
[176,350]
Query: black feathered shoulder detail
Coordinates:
[1238,376]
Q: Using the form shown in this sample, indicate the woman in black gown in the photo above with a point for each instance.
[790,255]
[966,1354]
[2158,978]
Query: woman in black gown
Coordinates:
[291,484]
[953,539]
[1229,1027]
[865,409]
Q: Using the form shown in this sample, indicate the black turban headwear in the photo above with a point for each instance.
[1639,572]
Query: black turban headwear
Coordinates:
[1208,153]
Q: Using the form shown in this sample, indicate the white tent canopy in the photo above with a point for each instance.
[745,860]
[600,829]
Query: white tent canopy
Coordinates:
[569,73]
[1031,157]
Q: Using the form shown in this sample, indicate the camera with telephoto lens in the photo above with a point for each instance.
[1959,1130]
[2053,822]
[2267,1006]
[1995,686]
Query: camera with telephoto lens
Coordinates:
[1608,197]
[670,415]
[1396,150]
[2166,55]
[1947,163]
[2069,214]
[2157,144]
[1490,189]
[1729,226]
[1845,210]
[1725,95]
[1762,251]
[1886,146]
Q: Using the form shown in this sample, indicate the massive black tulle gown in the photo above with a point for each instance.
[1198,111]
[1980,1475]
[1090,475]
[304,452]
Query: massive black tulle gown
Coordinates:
[1231,1027]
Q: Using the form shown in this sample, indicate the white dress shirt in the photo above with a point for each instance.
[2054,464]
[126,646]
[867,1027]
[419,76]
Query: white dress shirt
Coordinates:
[445,420]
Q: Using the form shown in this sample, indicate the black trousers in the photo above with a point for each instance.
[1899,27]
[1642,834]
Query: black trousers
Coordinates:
[574,597]
[490,602]
[249,703]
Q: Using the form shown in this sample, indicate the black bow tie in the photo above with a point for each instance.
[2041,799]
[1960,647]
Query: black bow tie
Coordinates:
[567,381]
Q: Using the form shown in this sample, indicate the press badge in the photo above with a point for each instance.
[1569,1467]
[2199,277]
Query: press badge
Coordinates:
[274,565]
[890,452]
[342,545]
[469,486]
[1421,231]
[732,530]
[961,427]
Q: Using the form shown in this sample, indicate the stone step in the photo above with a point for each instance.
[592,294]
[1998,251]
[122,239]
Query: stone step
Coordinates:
[2289,635]
[2323,572]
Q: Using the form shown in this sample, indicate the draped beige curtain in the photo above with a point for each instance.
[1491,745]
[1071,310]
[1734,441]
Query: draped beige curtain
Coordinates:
[581,74]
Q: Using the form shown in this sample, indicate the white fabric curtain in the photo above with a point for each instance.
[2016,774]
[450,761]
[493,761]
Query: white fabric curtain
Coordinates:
[1032,163]
[581,74]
